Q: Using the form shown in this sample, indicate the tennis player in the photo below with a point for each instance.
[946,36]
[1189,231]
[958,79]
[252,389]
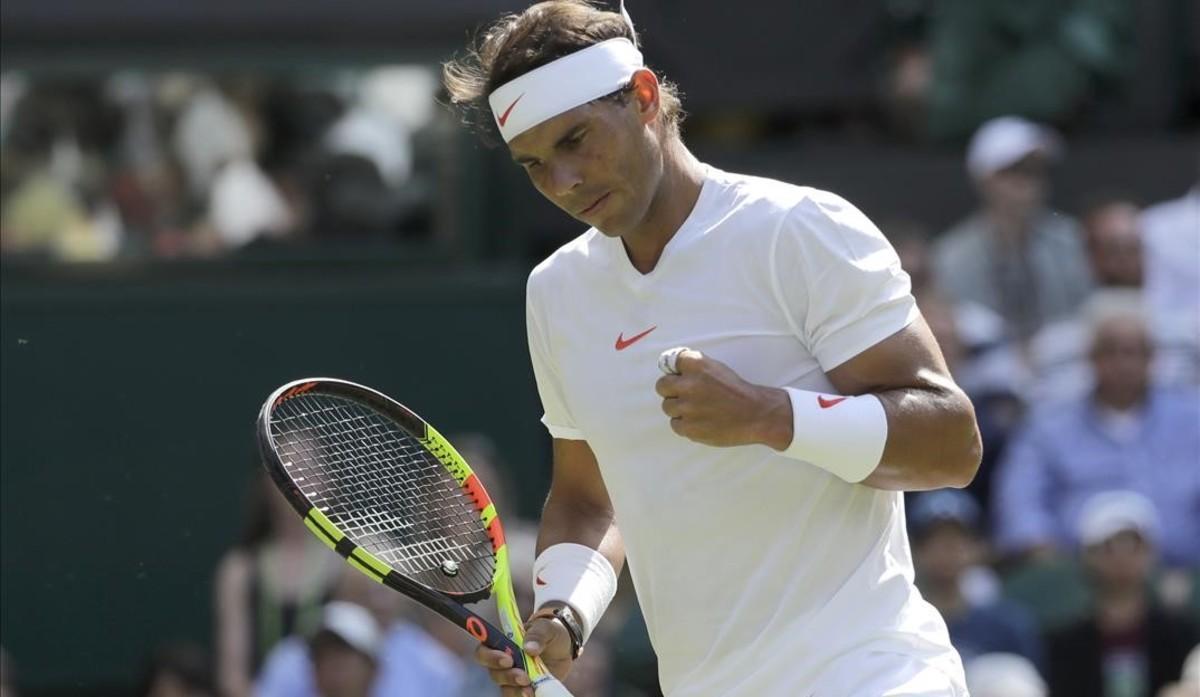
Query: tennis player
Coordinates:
[756,487]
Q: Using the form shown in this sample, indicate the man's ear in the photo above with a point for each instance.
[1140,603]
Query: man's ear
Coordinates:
[646,95]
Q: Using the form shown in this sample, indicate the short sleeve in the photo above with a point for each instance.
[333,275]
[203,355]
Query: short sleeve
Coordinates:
[838,279]
[556,417]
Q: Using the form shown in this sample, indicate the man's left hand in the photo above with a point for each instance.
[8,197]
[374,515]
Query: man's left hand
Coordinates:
[711,404]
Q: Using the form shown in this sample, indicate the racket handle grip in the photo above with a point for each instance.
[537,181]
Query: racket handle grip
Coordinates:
[548,686]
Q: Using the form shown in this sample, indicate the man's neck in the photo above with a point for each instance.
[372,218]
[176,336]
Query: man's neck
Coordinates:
[678,190]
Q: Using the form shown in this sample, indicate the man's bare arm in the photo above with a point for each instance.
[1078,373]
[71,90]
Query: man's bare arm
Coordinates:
[578,508]
[932,438]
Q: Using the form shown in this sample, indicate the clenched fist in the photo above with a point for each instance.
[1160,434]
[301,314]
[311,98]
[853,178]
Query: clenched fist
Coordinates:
[709,403]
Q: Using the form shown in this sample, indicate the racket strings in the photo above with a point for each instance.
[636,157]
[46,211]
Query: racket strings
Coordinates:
[384,490]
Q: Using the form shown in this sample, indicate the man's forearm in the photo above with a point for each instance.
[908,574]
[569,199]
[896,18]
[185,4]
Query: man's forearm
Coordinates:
[932,438]
[571,520]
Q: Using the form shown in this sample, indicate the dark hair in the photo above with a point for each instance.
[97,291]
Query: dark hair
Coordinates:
[518,43]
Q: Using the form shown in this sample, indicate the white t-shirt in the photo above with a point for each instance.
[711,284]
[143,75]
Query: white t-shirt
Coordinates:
[757,574]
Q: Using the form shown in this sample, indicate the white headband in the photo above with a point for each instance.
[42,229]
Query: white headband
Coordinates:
[563,84]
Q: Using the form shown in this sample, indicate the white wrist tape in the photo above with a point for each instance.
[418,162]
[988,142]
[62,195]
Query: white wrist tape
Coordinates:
[844,435]
[578,576]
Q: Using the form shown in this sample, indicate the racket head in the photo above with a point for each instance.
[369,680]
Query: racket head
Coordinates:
[374,481]
[380,486]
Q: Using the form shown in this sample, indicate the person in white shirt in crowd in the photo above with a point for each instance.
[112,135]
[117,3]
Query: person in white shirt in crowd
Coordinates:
[1014,255]
[757,485]
[1172,232]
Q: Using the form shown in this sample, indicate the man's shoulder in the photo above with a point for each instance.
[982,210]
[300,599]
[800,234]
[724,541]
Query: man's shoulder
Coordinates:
[806,214]
[566,258]
[785,197]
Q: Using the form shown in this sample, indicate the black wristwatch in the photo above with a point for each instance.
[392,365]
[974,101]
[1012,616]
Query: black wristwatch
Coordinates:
[564,614]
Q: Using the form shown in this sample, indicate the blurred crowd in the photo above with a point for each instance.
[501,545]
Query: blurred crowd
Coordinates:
[1071,565]
[183,165]
[1069,568]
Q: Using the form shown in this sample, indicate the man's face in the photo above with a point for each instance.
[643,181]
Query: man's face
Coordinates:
[1121,354]
[1115,245]
[598,162]
[1019,189]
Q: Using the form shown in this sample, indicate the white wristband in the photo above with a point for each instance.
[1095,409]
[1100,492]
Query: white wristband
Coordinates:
[578,576]
[844,435]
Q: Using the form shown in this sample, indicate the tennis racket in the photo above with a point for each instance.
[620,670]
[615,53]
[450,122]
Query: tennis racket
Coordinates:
[385,490]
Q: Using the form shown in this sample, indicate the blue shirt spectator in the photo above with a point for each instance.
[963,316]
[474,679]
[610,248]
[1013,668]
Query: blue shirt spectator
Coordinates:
[411,663]
[999,626]
[947,555]
[1127,434]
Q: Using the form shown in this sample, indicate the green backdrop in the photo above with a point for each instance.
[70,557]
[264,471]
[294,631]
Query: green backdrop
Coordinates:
[129,399]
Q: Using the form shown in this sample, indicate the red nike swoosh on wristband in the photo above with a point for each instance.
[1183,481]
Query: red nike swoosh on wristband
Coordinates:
[504,117]
[826,403]
[623,343]
[539,581]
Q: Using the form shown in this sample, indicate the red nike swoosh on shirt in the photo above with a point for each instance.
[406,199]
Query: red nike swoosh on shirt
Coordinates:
[623,343]
[539,581]
[504,117]
[826,403]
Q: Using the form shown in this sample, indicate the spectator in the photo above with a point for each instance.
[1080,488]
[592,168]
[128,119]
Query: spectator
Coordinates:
[1004,675]
[271,585]
[1014,255]
[944,526]
[420,653]
[345,651]
[1172,243]
[1128,645]
[1172,233]
[1058,352]
[1126,433]
[183,670]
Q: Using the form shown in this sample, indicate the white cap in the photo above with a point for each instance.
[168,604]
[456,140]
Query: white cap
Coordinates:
[1107,514]
[354,625]
[1004,675]
[1003,141]
[1191,667]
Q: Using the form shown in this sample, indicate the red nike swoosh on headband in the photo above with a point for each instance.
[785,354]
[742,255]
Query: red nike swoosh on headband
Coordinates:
[826,403]
[504,117]
[623,343]
[539,581]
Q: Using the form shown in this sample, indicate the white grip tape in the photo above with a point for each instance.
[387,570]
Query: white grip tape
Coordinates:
[841,434]
[547,686]
[578,576]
